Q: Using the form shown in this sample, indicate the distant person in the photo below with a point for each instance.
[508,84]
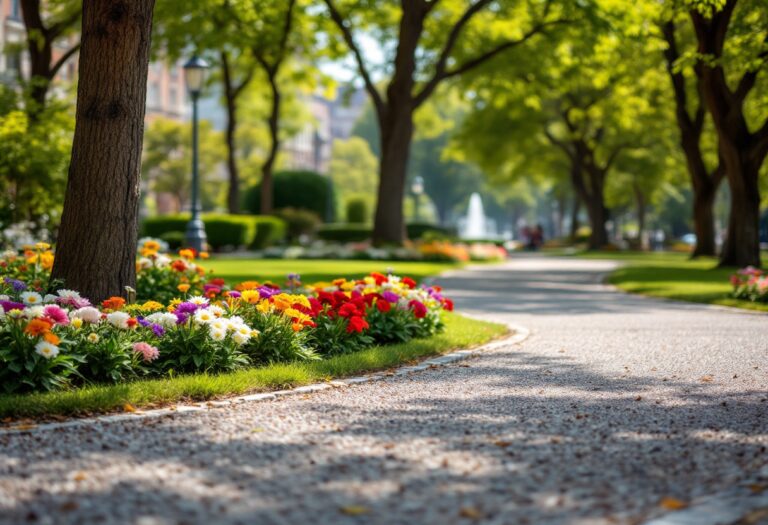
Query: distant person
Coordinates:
[537,237]
[525,236]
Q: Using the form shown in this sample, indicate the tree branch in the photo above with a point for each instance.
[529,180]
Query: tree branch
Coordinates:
[346,32]
[58,28]
[63,59]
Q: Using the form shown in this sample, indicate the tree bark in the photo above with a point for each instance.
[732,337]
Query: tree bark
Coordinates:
[742,151]
[273,122]
[641,206]
[704,183]
[96,248]
[575,210]
[233,192]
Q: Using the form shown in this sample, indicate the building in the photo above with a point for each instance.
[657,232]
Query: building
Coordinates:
[166,92]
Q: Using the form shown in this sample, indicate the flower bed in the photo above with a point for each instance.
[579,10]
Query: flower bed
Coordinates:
[750,284]
[182,320]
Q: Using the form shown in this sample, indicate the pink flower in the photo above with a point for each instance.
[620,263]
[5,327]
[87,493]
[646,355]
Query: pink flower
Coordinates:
[56,314]
[147,351]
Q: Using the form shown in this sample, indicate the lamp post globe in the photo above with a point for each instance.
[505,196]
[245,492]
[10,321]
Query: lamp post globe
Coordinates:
[194,77]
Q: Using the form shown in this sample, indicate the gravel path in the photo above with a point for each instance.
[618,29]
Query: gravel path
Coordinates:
[614,403]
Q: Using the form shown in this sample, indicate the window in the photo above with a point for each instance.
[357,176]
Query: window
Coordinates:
[15,10]
[153,95]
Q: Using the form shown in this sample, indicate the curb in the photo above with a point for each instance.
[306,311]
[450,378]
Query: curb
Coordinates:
[520,334]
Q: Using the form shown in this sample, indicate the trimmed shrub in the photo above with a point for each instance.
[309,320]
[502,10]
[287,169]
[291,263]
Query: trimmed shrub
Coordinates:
[417,230]
[174,239]
[299,222]
[304,190]
[221,230]
[342,232]
[357,211]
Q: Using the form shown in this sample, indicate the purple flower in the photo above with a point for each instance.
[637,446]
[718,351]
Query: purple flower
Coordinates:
[294,277]
[185,308]
[181,317]
[266,292]
[158,330]
[390,297]
[10,305]
[234,294]
[17,285]
[143,322]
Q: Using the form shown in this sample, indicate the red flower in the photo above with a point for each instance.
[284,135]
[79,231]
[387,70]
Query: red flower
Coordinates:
[383,306]
[379,278]
[218,281]
[348,310]
[179,265]
[447,305]
[410,283]
[419,310]
[356,324]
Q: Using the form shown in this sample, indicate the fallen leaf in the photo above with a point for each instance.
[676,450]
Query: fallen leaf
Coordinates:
[707,378]
[502,443]
[639,398]
[129,407]
[68,506]
[354,510]
[24,427]
[257,429]
[672,504]
[471,513]
[758,488]
[79,476]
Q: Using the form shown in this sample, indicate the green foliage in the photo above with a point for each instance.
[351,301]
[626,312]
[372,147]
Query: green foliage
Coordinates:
[221,230]
[353,168]
[304,190]
[189,349]
[278,341]
[269,231]
[342,232]
[299,222]
[357,211]
[418,230]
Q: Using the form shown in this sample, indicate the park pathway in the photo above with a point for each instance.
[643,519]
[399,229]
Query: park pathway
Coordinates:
[612,404]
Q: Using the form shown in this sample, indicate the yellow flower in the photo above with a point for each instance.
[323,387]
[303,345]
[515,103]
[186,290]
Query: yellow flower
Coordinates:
[76,323]
[264,307]
[187,254]
[281,301]
[250,296]
[183,288]
[42,246]
[172,305]
[93,338]
[151,306]
[247,285]
[46,260]
[347,286]
[204,255]
[369,280]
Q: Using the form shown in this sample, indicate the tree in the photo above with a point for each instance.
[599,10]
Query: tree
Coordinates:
[45,27]
[737,39]
[96,247]
[690,121]
[432,40]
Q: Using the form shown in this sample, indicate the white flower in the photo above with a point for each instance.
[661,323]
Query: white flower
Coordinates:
[93,338]
[118,319]
[164,319]
[236,320]
[220,324]
[203,316]
[31,298]
[240,338]
[68,294]
[218,335]
[31,312]
[161,261]
[144,263]
[9,254]
[88,314]
[199,300]
[46,349]
[49,298]
[216,310]
[4,297]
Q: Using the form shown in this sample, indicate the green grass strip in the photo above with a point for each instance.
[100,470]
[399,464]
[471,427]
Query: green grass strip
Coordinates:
[460,332]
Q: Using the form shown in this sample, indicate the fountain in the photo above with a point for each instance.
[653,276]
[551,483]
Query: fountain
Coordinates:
[475,225]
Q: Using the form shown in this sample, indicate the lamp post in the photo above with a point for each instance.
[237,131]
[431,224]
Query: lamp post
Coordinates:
[417,188]
[194,78]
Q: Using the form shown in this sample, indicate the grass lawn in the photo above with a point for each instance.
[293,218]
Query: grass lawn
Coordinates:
[460,332]
[275,270]
[674,276]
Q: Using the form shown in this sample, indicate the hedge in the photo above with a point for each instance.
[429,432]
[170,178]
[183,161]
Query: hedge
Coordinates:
[221,230]
[303,190]
[345,232]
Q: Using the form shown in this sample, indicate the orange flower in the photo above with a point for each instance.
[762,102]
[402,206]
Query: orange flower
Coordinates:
[187,253]
[179,265]
[38,327]
[297,327]
[113,303]
[183,288]
[51,338]
[204,255]
[247,285]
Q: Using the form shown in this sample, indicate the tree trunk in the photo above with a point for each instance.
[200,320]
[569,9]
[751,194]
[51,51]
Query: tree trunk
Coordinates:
[233,192]
[96,249]
[396,134]
[575,210]
[267,191]
[598,215]
[742,243]
[704,222]
[641,209]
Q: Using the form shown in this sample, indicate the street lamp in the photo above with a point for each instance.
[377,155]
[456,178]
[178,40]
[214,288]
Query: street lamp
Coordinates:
[194,78]
[417,188]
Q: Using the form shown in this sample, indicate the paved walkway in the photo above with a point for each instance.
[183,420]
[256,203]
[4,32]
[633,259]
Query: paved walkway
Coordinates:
[614,403]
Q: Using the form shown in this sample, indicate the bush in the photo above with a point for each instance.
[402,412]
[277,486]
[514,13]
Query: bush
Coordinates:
[222,230]
[304,190]
[174,239]
[342,232]
[299,222]
[417,230]
[357,211]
